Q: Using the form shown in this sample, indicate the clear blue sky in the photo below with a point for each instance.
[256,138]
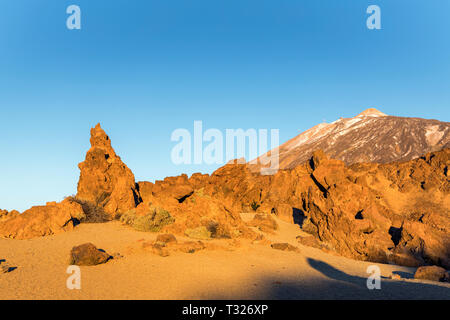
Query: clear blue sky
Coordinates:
[145,68]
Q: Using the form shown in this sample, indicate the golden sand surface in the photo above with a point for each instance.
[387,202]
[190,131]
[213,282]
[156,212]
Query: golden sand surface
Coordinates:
[227,269]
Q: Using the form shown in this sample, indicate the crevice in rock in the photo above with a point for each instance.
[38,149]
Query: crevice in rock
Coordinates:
[298,216]
[396,234]
[321,187]
[359,215]
[181,200]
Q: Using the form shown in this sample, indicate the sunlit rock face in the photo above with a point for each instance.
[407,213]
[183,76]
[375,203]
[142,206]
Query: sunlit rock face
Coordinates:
[371,136]
[105,181]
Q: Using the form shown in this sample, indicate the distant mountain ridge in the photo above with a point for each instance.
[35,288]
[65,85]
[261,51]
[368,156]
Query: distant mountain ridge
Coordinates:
[371,136]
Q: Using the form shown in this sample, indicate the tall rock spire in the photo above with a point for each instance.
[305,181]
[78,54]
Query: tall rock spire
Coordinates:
[105,181]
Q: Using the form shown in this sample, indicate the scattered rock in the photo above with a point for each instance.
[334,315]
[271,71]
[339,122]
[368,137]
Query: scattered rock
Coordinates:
[5,267]
[433,273]
[117,255]
[160,249]
[165,249]
[395,276]
[166,238]
[191,246]
[284,247]
[87,255]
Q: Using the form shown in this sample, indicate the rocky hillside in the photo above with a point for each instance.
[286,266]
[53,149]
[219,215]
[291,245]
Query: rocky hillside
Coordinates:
[398,212]
[392,213]
[371,136]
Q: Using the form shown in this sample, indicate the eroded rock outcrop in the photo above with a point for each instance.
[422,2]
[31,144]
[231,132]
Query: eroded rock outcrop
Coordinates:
[390,213]
[105,181]
[5,214]
[41,221]
[194,208]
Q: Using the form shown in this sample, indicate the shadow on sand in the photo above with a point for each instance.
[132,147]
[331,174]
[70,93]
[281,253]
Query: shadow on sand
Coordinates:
[341,285]
[337,285]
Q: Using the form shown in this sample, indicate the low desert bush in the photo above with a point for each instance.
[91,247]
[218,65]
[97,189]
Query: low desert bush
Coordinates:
[94,213]
[255,205]
[201,233]
[218,230]
[154,221]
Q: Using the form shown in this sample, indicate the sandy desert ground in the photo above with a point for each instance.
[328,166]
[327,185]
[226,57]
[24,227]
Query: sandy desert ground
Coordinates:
[230,271]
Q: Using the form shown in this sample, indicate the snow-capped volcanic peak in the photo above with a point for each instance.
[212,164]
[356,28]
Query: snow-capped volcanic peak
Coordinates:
[372,112]
[371,136]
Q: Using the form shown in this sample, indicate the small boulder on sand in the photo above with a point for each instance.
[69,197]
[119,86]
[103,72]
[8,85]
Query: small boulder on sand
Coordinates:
[191,246]
[88,255]
[284,247]
[5,267]
[159,248]
[395,276]
[433,273]
[166,238]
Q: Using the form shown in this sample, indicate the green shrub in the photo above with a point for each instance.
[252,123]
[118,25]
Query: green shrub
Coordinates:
[218,230]
[201,233]
[154,221]
[128,217]
[255,205]
[93,212]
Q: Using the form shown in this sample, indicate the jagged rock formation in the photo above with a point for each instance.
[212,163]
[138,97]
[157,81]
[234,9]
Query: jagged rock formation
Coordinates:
[391,213]
[371,136]
[397,212]
[105,181]
[43,220]
[5,215]
[192,208]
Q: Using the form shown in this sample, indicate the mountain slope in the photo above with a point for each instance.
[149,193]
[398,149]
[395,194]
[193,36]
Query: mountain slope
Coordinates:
[371,136]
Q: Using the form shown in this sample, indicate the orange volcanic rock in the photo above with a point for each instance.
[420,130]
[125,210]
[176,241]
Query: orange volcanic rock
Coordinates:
[87,255]
[193,208]
[105,181]
[5,215]
[396,212]
[433,273]
[43,220]
[264,222]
